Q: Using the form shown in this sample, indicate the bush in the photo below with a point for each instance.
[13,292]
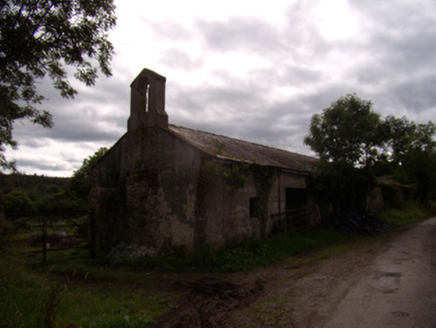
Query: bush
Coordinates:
[18,201]
[408,213]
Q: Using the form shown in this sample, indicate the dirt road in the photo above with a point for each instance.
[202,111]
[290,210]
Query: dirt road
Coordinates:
[389,283]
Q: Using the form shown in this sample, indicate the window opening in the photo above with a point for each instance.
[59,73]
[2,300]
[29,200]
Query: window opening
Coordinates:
[147,97]
[254,207]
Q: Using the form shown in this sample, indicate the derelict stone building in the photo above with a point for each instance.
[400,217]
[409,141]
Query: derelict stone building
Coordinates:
[163,185]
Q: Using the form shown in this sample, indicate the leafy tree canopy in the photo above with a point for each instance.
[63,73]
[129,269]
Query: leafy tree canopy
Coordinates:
[19,201]
[348,131]
[412,150]
[80,183]
[405,137]
[45,37]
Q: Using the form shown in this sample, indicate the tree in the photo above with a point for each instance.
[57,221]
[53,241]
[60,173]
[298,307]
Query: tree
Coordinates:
[355,145]
[45,37]
[80,183]
[412,150]
[19,201]
[349,138]
[348,131]
[405,137]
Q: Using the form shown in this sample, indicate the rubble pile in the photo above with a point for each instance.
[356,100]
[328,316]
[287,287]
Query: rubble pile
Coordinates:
[355,222]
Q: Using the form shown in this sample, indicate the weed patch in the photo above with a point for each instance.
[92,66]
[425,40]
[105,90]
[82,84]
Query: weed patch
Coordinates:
[242,255]
[408,213]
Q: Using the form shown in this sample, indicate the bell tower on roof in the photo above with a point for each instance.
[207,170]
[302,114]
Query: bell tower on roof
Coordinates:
[147,101]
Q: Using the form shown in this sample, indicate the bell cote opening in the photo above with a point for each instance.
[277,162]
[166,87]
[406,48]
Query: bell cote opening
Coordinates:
[147,101]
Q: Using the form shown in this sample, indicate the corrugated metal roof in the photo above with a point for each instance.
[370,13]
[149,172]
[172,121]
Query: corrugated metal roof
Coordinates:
[238,150]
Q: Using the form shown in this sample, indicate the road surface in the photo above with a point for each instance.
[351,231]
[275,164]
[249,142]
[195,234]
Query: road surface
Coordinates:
[398,289]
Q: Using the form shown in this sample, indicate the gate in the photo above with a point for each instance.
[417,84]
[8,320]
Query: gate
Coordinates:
[49,230]
[292,220]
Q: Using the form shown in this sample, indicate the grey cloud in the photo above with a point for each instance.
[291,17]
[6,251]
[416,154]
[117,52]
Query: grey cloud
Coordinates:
[33,142]
[176,59]
[303,39]
[237,94]
[96,114]
[297,75]
[417,95]
[65,130]
[373,73]
[401,35]
[395,16]
[168,30]
[408,55]
[43,166]
[245,113]
[83,133]
[238,33]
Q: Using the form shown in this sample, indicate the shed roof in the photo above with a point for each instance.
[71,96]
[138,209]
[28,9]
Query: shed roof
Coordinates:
[243,151]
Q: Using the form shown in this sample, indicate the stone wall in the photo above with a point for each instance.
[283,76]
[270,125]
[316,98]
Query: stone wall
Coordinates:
[105,210]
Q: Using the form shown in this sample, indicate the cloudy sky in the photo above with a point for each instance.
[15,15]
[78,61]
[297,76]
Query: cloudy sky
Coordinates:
[253,70]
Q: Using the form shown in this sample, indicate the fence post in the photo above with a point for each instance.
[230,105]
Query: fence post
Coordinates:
[44,238]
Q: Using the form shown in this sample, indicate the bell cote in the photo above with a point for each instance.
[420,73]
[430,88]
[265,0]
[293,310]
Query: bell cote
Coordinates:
[147,101]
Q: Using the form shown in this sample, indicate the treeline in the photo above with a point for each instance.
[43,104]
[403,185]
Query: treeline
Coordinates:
[37,193]
[32,184]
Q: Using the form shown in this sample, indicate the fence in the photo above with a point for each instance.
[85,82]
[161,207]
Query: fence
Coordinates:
[292,220]
[44,230]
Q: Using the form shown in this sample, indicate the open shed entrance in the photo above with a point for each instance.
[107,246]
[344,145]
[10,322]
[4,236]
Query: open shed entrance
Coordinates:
[295,198]
[296,208]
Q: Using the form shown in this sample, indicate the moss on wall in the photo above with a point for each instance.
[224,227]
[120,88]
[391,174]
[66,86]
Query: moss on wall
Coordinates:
[263,180]
[231,176]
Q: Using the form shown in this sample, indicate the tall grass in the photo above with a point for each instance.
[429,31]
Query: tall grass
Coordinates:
[22,291]
[73,293]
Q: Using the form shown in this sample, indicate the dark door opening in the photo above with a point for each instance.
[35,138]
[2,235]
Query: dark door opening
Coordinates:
[295,198]
[296,203]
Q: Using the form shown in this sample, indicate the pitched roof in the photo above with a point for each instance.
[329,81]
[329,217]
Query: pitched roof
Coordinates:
[243,151]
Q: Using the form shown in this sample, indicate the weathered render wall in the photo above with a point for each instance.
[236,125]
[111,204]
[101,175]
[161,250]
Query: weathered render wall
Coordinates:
[145,192]
[223,208]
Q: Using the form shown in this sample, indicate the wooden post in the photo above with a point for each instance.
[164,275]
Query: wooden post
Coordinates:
[44,238]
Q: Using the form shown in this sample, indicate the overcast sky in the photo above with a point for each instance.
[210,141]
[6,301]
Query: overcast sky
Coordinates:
[253,70]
